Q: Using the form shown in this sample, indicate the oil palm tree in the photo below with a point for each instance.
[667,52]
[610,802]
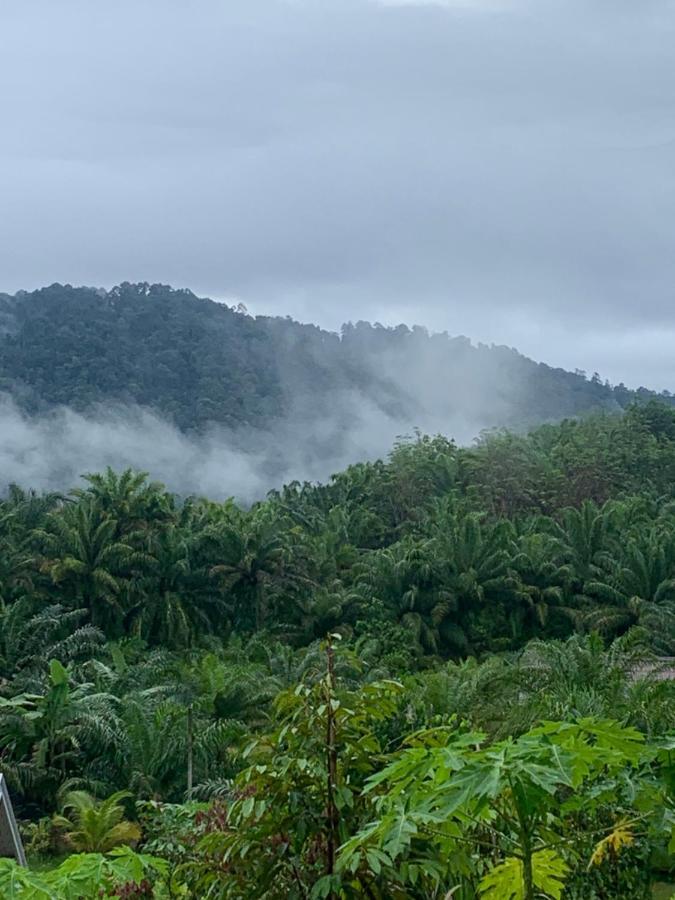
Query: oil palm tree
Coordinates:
[406,581]
[89,564]
[251,552]
[541,585]
[31,634]
[579,677]
[20,514]
[17,567]
[585,534]
[173,599]
[47,737]
[475,560]
[96,826]
[127,497]
[635,586]
[153,740]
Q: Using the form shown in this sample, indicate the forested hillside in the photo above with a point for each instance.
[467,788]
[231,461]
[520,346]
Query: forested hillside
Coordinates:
[441,675]
[198,362]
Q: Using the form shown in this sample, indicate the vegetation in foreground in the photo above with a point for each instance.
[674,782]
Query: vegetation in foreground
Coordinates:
[441,675]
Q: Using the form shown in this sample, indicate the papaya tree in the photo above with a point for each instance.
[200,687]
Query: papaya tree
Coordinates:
[501,821]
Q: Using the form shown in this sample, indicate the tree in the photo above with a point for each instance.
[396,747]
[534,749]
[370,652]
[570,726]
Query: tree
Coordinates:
[89,564]
[128,498]
[47,738]
[31,634]
[636,587]
[251,549]
[407,581]
[153,739]
[542,583]
[475,558]
[96,826]
[173,601]
[496,820]
[585,535]
[299,799]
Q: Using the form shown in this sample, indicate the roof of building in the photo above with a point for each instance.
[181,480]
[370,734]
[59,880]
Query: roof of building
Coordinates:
[10,839]
[661,669]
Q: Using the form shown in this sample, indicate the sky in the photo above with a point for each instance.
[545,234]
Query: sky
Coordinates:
[503,169]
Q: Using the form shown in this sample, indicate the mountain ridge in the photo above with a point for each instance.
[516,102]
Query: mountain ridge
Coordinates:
[197,361]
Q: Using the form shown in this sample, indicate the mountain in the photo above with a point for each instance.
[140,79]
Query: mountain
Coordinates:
[196,362]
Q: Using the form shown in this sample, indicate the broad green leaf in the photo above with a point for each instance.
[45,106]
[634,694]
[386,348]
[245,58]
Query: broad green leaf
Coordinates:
[505,881]
[57,673]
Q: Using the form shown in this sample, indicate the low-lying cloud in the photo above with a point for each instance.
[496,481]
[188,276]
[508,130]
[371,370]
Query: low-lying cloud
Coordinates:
[52,450]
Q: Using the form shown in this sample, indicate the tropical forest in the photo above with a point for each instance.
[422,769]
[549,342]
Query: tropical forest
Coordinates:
[446,673]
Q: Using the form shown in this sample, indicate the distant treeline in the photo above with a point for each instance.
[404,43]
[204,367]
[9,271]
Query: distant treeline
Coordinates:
[197,362]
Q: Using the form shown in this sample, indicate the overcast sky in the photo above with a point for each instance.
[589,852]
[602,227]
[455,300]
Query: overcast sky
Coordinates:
[503,169]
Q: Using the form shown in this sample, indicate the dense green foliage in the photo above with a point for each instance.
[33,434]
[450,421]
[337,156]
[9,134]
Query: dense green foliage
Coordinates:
[446,672]
[196,362]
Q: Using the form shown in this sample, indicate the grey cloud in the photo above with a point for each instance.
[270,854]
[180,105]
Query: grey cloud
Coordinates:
[502,169]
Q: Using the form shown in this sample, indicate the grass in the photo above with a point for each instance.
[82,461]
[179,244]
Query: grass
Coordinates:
[663,891]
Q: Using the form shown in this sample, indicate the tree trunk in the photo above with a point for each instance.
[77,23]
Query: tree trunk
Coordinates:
[528,879]
[331,759]
[525,833]
[189,752]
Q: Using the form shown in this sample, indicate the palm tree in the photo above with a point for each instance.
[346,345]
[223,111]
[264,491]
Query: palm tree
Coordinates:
[542,583]
[31,634]
[50,736]
[17,567]
[475,560]
[225,700]
[20,514]
[89,564]
[406,580]
[174,598]
[585,534]
[571,679]
[313,613]
[28,509]
[153,740]
[635,587]
[169,745]
[251,553]
[134,503]
[96,826]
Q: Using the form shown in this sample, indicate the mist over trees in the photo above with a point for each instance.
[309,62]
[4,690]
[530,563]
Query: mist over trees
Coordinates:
[198,362]
[213,401]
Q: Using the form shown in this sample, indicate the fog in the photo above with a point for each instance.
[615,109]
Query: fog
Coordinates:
[52,450]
